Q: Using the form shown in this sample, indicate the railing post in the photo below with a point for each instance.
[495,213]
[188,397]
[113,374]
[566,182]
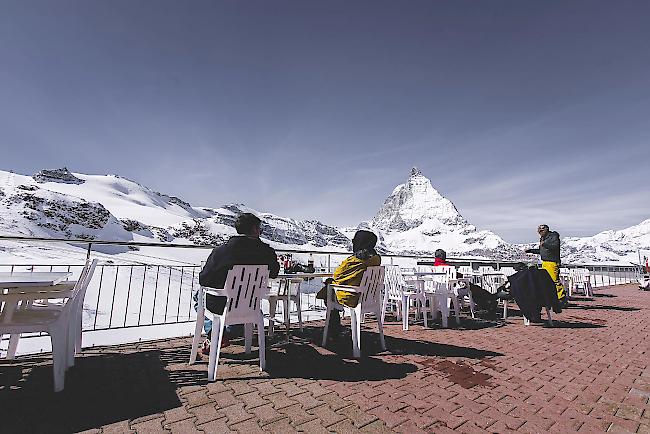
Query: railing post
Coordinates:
[329,266]
[88,251]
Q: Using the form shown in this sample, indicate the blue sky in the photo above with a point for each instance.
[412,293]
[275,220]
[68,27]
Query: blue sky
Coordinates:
[520,112]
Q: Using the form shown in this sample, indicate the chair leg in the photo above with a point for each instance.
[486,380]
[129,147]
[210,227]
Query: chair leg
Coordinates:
[273,305]
[526,321]
[455,302]
[70,344]
[380,327]
[299,307]
[405,315]
[248,337]
[398,310]
[285,311]
[327,326]
[355,323]
[261,342]
[59,337]
[13,346]
[443,304]
[215,346]
[422,303]
[198,328]
[505,309]
[472,306]
[384,306]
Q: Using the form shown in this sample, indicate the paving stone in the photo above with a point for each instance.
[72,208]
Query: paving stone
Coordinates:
[537,379]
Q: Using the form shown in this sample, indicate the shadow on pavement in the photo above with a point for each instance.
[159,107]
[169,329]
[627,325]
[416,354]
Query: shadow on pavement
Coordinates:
[602,307]
[304,361]
[99,390]
[557,324]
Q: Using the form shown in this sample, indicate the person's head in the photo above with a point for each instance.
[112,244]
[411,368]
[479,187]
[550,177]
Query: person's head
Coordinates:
[364,240]
[542,230]
[248,224]
[440,254]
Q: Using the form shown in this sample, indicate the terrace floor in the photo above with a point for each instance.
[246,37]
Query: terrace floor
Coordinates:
[589,373]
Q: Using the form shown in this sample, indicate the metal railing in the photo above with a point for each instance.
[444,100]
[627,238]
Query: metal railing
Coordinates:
[125,295]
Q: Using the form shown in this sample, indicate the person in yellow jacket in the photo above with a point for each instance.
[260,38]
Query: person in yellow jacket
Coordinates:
[350,272]
[549,250]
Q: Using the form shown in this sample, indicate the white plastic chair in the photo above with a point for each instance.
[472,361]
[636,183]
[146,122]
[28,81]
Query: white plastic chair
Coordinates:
[491,283]
[244,287]
[443,293]
[279,294]
[60,323]
[370,301]
[398,293]
[580,278]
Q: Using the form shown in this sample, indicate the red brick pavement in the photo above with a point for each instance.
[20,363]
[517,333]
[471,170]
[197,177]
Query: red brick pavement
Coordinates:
[589,373]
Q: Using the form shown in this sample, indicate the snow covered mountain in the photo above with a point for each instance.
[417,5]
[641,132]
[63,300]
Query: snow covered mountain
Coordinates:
[416,218]
[607,246]
[61,204]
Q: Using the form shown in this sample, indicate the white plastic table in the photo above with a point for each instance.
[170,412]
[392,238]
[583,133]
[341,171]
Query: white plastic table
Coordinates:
[28,279]
[286,279]
[22,282]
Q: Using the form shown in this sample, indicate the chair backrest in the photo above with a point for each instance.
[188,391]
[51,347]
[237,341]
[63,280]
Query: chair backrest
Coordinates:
[465,270]
[393,282]
[486,269]
[492,282]
[579,275]
[244,286]
[372,283]
[79,292]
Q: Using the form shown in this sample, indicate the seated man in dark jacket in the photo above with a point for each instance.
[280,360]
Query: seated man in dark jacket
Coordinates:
[243,249]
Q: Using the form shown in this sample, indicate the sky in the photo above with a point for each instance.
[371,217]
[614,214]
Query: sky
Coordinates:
[520,112]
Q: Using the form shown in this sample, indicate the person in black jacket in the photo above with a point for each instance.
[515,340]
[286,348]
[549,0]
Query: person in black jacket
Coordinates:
[549,251]
[243,249]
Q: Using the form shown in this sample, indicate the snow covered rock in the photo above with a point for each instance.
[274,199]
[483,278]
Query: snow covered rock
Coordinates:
[57,175]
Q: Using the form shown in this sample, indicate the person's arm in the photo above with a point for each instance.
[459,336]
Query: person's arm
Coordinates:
[274,265]
[209,274]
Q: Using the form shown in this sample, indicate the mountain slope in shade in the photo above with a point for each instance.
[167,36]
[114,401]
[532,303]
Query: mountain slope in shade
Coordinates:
[416,218]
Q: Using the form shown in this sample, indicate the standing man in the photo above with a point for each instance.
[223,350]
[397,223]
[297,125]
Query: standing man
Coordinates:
[549,251]
[246,248]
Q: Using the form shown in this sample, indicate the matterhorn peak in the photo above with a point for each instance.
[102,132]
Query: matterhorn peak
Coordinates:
[414,203]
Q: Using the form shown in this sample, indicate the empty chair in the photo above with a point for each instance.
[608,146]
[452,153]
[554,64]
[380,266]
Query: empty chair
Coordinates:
[580,278]
[60,321]
[443,293]
[370,301]
[279,294]
[399,294]
[244,287]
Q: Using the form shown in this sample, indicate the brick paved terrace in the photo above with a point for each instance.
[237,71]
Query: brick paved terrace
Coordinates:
[589,373]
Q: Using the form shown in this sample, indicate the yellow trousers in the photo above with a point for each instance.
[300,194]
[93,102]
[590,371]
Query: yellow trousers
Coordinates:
[553,269]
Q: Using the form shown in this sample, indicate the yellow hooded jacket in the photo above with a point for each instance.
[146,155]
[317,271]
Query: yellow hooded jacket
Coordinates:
[350,272]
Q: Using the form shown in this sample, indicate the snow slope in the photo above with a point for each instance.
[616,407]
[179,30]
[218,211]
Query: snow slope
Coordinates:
[61,204]
[414,219]
[608,246]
